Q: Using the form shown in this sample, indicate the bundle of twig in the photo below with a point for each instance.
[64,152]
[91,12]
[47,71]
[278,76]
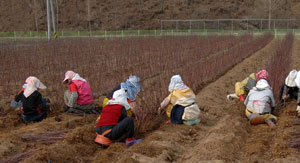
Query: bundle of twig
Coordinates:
[19,157]
[294,143]
[44,138]
[295,140]
[297,122]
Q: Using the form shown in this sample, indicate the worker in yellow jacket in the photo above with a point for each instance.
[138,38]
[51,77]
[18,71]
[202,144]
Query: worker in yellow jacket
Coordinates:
[180,104]
[242,88]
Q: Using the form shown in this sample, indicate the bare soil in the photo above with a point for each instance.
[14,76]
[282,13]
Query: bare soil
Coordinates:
[223,135]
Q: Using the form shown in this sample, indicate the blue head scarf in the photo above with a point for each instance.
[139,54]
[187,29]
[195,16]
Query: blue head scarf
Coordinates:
[132,86]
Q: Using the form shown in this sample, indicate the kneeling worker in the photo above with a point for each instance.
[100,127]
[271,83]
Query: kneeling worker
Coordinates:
[114,122]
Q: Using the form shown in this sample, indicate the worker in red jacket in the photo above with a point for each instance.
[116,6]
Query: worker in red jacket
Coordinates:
[113,122]
[78,98]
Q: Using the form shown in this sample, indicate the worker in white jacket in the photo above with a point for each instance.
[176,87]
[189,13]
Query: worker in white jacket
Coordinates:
[260,103]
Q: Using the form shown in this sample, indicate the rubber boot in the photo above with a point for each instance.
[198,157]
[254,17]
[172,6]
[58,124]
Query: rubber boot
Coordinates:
[132,142]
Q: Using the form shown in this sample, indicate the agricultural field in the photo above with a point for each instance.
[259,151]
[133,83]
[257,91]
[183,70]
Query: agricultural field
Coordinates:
[210,65]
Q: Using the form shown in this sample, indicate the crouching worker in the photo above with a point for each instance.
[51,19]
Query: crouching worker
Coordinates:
[290,89]
[78,97]
[180,104]
[132,87]
[113,122]
[242,88]
[34,106]
[297,81]
[260,103]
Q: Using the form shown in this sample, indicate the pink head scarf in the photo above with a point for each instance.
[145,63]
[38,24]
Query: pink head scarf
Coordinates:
[262,74]
[69,75]
[32,84]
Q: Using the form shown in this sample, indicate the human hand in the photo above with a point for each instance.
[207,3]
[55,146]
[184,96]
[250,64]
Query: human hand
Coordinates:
[285,97]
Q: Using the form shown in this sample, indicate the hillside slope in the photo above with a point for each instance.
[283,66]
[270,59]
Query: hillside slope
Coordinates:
[30,15]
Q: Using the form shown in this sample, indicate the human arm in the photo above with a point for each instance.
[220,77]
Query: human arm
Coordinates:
[18,97]
[272,102]
[285,91]
[247,98]
[123,114]
[73,96]
[298,101]
[298,98]
[164,103]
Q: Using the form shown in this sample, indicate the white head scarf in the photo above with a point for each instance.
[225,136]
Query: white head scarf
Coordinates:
[290,79]
[32,84]
[297,80]
[262,84]
[175,83]
[119,97]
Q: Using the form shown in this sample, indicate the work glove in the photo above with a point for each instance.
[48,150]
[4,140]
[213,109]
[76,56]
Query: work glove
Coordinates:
[298,110]
[242,98]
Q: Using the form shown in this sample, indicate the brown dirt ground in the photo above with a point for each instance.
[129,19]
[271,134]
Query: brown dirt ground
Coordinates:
[16,15]
[223,135]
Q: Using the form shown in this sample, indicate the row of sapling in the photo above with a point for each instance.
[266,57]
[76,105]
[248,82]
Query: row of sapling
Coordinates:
[106,63]
[279,65]
[196,73]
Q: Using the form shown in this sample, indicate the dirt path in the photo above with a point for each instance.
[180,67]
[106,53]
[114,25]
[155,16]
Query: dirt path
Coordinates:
[224,140]
[232,139]
[264,144]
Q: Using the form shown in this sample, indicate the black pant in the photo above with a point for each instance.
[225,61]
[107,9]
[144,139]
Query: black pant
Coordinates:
[36,118]
[176,114]
[126,126]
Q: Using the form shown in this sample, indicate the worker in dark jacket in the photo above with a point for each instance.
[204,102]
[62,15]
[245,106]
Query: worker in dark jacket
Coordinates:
[290,90]
[113,122]
[34,106]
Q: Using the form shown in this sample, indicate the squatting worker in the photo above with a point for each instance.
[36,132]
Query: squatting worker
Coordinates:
[114,122]
[132,87]
[242,88]
[260,102]
[297,80]
[78,97]
[180,105]
[34,106]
